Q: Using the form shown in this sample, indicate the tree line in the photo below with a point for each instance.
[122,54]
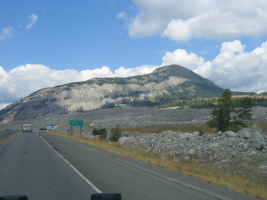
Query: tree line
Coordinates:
[213,102]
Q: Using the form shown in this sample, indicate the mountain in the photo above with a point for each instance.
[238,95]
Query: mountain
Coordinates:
[164,84]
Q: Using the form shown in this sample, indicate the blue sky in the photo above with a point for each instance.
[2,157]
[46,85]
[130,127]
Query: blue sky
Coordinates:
[75,34]
[47,43]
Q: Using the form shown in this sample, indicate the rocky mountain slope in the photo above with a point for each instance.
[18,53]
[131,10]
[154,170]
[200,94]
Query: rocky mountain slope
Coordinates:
[163,85]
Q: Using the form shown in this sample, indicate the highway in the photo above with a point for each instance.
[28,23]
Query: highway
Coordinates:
[29,166]
[46,166]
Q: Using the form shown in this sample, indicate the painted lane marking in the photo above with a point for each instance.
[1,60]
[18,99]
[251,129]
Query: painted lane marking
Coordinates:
[76,170]
[6,139]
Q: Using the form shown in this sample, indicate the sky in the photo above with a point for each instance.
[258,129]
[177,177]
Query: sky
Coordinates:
[49,43]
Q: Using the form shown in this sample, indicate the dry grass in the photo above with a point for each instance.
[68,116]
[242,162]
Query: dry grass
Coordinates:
[182,128]
[187,128]
[262,125]
[186,168]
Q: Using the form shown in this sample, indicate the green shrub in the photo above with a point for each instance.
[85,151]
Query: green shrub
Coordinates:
[201,132]
[115,133]
[101,132]
[95,132]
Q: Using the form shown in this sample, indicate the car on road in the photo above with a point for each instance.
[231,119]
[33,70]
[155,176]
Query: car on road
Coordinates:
[27,128]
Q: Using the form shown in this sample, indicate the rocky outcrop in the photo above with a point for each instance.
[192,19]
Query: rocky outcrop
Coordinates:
[208,147]
[243,153]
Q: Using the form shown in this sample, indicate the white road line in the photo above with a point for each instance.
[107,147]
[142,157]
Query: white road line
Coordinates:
[80,174]
[144,170]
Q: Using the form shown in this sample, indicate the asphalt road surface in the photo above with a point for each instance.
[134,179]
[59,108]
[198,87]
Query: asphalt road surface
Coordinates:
[5,134]
[29,166]
[52,167]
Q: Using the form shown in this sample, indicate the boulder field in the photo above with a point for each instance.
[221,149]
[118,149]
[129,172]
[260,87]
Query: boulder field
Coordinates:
[243,153]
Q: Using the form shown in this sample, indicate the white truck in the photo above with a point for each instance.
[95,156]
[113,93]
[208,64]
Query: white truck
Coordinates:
[26,128]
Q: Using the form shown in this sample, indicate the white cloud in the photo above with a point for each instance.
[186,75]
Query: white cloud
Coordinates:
[182,20]
[145,69]
[179,30]
[122,15]
[181,57]
[102,72]
[6,33]
[232,68]
[3,105]
[33,19]
[154,15]
[23,80]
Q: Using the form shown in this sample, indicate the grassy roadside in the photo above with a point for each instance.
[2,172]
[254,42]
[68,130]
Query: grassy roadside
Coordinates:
[187,128]
[262,125]
[189,169]
[182,128]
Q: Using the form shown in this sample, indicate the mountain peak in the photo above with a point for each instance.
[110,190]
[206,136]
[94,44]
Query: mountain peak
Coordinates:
[162,85]
[177,70]
[168,68]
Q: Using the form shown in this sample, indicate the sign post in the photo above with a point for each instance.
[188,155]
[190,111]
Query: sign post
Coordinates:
[76,123]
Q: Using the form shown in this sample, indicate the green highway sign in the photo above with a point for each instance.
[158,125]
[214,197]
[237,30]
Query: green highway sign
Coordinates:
[76,122]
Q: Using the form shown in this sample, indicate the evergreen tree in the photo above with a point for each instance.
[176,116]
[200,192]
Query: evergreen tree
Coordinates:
[222,123]
[226,105]
[242,113]
[245,110]
[226,117]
